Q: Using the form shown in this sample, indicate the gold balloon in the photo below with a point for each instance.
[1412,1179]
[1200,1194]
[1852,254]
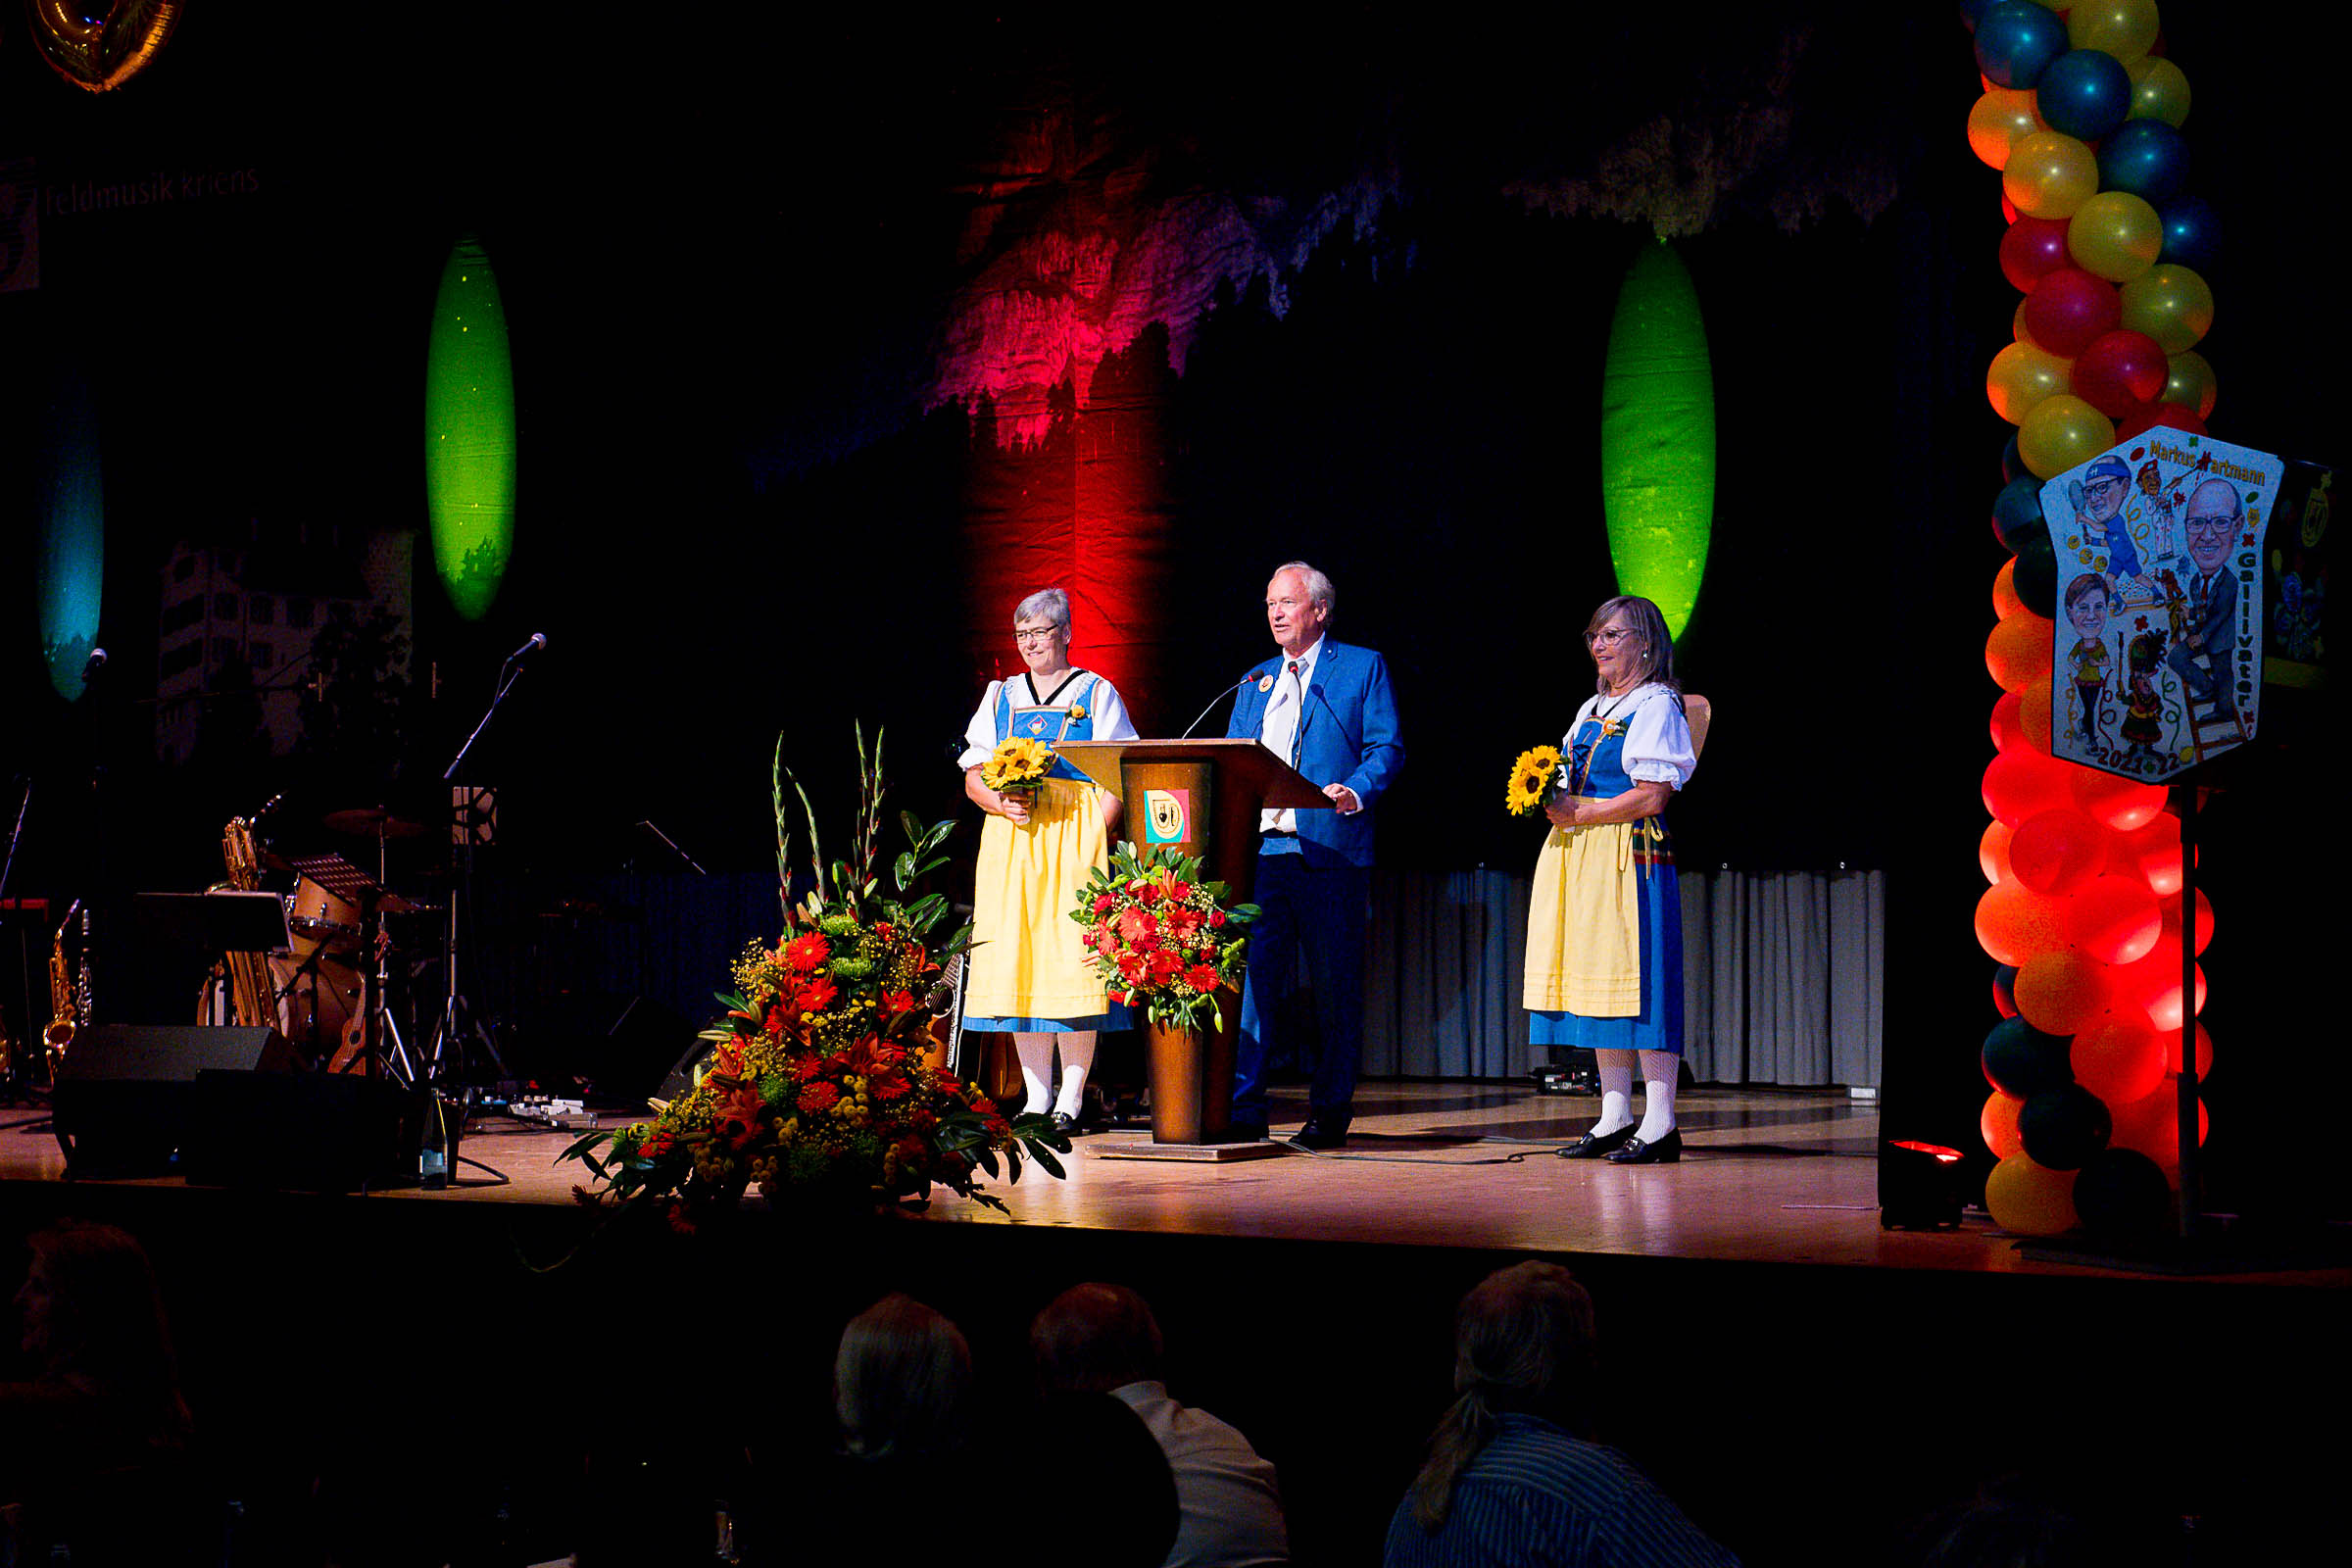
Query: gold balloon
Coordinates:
[2001,119]
[2124,28]
[2060,431]
[2190,383]
[2159,91]
[2021,377]
[2171,303]
[2114,235]
[2049,175]
[2030,1200]
[104,52]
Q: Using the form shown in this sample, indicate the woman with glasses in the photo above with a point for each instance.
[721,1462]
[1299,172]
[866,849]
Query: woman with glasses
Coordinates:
[1604,933]
[1028,975]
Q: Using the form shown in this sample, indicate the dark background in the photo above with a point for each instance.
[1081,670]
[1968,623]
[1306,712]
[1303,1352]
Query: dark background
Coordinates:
[726,251]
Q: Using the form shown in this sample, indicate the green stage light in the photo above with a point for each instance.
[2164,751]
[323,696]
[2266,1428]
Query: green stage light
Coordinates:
[73,562]
[1657,436]
[469,433]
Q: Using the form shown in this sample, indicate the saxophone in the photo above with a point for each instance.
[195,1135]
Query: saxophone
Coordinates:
[252,991]
[65,1003]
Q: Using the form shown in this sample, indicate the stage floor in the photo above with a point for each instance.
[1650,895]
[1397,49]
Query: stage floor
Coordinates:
[1781,1176]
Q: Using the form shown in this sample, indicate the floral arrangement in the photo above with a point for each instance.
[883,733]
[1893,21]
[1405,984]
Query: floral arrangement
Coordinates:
[823,1081]
[1161,938]
[1533,777]
[1016,765]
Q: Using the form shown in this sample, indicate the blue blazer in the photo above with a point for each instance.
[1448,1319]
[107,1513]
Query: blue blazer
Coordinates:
[1346,735]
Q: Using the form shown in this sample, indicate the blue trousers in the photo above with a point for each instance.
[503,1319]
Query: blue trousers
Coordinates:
[1324,910]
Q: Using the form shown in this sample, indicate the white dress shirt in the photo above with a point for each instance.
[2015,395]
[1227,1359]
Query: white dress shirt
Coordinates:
[1278,731]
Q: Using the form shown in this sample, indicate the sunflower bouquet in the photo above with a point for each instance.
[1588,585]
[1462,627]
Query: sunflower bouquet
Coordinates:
[1017,766]
[1534,777]
[823,1081]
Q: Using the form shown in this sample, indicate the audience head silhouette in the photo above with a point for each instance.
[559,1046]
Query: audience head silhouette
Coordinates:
[901,1380]
[1522,1342]
[1095,1338]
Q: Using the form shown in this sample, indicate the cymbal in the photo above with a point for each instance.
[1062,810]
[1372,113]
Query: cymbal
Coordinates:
[373,821]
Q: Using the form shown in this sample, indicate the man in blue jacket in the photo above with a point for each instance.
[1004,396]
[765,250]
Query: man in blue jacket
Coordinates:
[1328,710]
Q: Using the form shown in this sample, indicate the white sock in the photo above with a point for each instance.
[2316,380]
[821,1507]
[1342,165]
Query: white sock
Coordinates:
[1037,1069]
[1661,1072]
[1616,1069]
[1077,1057]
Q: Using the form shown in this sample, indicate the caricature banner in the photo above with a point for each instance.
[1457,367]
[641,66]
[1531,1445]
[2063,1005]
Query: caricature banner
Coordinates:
[2158,661]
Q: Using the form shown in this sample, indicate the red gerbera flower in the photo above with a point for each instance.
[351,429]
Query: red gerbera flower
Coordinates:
[806,953]
[895,1003]
[818,1095]
[1201,977]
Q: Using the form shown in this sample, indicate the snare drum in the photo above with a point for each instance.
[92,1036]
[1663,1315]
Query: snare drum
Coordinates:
[319,919]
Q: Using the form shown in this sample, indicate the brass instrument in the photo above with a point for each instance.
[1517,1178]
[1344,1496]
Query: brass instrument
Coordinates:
[252,989]
[64,1005]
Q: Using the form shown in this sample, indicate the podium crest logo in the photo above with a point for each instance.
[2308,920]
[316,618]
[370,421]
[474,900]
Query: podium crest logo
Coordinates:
[1165,815]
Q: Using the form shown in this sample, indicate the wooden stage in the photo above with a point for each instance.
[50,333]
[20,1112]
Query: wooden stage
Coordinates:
[1802,1380]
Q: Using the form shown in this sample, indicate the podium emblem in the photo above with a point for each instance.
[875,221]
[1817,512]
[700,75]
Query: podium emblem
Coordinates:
[1166,814]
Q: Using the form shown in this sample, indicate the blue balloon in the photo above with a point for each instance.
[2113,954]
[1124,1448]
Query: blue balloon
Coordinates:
[2017,511]
[2016,41]
[2147,158]
[2085,93]
[1971,10]
[2013,464]
[2193,233]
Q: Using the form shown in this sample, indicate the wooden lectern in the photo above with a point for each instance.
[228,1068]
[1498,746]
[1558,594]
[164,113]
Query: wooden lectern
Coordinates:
[1201,798]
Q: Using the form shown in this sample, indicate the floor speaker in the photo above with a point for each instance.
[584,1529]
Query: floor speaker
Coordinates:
[310,1132]
[124,1098]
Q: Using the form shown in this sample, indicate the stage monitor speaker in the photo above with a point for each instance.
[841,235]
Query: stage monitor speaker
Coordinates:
[124,1096]
[313,1132]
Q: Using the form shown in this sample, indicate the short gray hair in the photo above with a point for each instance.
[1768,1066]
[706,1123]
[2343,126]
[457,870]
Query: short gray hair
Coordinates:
[1318,586]
[1051,603]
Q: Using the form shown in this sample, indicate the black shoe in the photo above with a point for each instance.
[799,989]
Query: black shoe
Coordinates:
[1319,1132]
[1069,1126]
[1594,1144]
[1667,1151]
[1246,1132]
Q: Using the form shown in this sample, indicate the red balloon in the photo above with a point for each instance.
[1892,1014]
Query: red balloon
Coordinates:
[2153,984]
[2032,247]
[2148,416]
[2068,309]
[2114,920]
[2120,373]
[2005,602]
[2151,851]
[2172,918]
[2122,804]
[2152,1125]
[2057,850]
[2018,784]
[2118,1059]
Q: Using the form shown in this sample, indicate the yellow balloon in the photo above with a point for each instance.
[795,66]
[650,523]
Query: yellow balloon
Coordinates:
[2171,303]
[2001,119]
[2191,384]
[2017,324]
[2060,431]
[2022,376]
[2124,28]
[2159,91]
[2114,235]
[2049,175]
[2030,1200]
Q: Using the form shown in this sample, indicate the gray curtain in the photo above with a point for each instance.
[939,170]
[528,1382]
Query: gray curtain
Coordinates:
[1781,976]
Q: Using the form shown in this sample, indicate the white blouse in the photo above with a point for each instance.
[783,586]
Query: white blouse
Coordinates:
[1658,737]
[1108,713]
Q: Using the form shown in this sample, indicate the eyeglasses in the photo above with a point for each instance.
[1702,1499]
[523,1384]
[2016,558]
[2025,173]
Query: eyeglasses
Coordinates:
[2211,528]
[1610,637]
[1037,634]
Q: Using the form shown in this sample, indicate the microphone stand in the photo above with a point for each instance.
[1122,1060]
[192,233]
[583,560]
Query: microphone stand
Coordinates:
[457,1028]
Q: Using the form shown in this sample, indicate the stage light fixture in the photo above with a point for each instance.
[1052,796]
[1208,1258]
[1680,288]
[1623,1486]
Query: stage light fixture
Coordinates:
[72,572]
[1922,1186]
[1657,436]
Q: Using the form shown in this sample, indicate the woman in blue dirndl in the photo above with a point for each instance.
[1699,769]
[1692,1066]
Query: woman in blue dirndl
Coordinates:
[1605,928]
[1028,972]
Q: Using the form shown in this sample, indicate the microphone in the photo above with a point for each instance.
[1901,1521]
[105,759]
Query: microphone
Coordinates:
[537,642]
[95,663]
[1214,701]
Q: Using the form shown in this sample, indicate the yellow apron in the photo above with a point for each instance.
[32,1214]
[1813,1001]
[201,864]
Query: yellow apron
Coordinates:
[1029,961]
[1584,924]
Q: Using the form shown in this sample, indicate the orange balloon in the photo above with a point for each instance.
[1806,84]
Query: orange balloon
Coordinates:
[2118,1058]
[1993,851]
[2114,920]
[2018,784]
[2000,120]
[2058,993]
[2012,924]
[2151,1124]
[1998,1123]
[2005,602]
[2030,1200]
[2034,708]
[2018,651]
[2119,802]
